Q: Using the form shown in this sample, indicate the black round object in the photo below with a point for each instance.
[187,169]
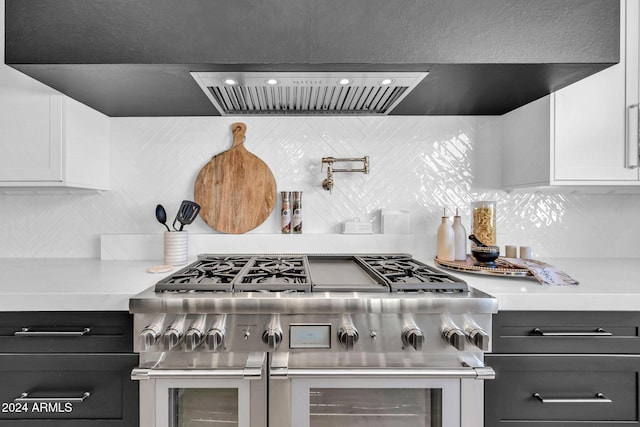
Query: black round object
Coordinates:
[486,254]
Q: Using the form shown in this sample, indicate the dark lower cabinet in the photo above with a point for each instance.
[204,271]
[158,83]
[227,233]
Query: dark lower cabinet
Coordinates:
[564,369]
[68,370]
[556,390]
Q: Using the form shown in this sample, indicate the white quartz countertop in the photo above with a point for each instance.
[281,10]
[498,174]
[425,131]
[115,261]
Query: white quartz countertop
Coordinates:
[610,284]
[71,284]
[92,284]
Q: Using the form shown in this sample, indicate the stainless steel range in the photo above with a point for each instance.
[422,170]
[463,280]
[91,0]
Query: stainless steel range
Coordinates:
[312,340]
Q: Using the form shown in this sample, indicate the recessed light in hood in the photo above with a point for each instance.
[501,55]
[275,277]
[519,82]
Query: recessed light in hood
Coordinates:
[307,93]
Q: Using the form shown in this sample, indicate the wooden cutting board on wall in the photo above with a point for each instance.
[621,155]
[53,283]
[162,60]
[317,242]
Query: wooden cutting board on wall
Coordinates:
[236,189]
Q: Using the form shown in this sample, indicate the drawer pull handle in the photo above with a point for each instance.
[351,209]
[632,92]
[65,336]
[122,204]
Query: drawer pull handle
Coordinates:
[599,398]
[632,139]
[599,332]
[26,332]
[24,398]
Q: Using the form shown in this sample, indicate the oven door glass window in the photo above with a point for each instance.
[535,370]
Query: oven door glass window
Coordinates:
[376,403]
[200,407]
[200,403]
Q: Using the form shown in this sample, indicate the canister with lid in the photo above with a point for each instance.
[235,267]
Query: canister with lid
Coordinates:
[483,222]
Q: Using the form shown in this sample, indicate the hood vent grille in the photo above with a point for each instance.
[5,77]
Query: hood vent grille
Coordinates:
[306,93]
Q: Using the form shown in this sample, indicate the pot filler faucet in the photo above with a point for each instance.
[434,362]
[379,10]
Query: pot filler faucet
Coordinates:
[327,183]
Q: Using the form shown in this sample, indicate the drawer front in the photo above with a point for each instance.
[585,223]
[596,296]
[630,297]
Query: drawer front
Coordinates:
[566,332]
[577,390]
[68,390]
[66,332]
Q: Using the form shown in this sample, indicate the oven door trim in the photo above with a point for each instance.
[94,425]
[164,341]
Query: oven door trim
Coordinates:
[156,409]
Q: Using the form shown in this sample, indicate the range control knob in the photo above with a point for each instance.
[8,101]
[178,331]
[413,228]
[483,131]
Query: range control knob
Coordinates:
[174,332]
[216,334]
[151,333]
[148,337]
[214,338]
[195,334]
[272,337]
[413,336]
[454,337]
[172,337]
[479,338]
[193,338]
[348,336]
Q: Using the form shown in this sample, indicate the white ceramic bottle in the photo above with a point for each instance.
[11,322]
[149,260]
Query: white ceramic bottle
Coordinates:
[460,238]
[446,241]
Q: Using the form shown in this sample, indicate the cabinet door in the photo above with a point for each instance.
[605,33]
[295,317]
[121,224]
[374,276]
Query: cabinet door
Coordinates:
[30,136]
[592,131]
[562,391]
[68,390]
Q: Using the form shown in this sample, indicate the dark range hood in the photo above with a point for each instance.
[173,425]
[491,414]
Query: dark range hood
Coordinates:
[472,57]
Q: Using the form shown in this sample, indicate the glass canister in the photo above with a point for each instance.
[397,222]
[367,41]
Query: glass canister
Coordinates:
[483,223]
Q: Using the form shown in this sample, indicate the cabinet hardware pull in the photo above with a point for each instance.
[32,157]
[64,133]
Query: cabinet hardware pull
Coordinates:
[599,398]
[599,332]
[632,139]
[26,332]
[24,398]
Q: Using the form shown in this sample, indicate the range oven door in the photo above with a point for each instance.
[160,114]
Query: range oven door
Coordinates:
[376,394]
[231,392]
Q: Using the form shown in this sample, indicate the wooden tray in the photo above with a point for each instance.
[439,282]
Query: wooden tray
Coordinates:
[501,269]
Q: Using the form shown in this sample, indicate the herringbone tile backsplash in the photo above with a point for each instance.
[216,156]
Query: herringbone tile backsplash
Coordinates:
[422,164]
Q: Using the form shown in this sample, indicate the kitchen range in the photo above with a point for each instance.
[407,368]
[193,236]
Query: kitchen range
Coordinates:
[311,340]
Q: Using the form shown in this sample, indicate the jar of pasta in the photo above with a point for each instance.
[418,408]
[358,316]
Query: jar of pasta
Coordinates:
[483,224]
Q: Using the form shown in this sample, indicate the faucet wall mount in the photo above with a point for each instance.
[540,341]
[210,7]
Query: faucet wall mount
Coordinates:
[327,183]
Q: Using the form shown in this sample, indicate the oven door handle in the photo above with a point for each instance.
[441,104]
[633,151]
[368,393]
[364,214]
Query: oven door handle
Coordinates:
[478,373]
[252,371]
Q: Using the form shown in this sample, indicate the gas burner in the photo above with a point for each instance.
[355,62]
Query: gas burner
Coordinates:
[274,274]
[270,279]
[208,273]
[407,274]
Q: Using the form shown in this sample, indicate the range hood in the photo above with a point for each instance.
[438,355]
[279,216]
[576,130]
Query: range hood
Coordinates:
[443,57]
[306,93]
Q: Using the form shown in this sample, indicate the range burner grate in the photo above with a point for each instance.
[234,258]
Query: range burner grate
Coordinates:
[275,274]
[291,273]
[208,273]
[403,273]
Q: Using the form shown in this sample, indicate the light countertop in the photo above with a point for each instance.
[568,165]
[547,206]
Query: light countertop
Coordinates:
[47,285]
[611,284]
[71,284]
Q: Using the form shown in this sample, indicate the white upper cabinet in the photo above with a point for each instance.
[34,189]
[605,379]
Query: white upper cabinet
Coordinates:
[585,134]
[48,141]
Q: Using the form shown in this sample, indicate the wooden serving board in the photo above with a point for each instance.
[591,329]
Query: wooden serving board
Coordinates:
[236,189]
